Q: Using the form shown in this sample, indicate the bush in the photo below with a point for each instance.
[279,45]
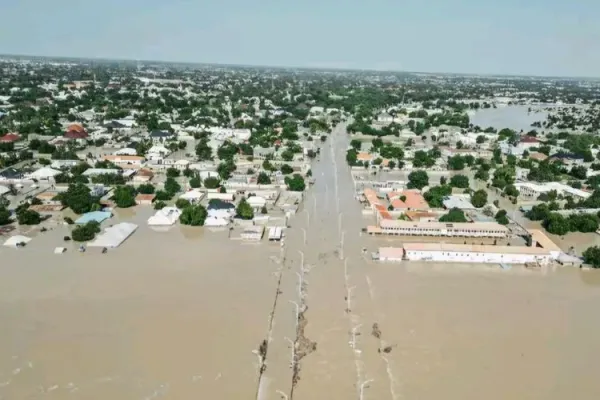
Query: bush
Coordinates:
[29,217]
[159,205]
[84,233]
[454,215]
[194,215]
[146,188]
[182,203]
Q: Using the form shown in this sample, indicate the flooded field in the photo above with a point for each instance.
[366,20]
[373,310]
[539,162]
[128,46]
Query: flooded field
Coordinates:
[513,117]
[190,314]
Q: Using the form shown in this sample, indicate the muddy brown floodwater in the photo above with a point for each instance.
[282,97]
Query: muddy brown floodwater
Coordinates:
[189,314]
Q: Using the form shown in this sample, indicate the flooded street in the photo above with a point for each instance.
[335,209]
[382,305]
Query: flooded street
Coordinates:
[184,314]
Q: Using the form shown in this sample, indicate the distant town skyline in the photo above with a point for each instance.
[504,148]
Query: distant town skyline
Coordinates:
[542,38]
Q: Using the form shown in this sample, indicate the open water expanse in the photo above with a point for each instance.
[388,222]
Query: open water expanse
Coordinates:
[183,315]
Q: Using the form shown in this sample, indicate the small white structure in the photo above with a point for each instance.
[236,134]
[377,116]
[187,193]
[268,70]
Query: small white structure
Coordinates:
[15,241]
[220,196]
[115,235]
[181,165]
[254,233]
[193,196]
[44,174]
[4,190]
[275,233]
[165,217]
[126,151]
[256,202]
[100,171]
[214,221]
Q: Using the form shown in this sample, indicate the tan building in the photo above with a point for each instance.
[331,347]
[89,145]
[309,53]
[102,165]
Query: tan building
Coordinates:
[411,228]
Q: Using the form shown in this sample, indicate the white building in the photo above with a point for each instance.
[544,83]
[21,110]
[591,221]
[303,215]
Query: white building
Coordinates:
[412,228]
[442,252]
[253,233]
[44,174]
[540,251]
[193,196]
[256,202]
[165,217]
[534,190]
[215,221]
[125,151]
[115,235]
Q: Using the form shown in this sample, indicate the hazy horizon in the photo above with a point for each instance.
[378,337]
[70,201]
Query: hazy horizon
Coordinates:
[540,38]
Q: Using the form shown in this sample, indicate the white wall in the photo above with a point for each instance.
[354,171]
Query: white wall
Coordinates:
[495,258]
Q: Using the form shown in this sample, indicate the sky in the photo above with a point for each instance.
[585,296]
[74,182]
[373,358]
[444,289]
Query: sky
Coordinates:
[523,37]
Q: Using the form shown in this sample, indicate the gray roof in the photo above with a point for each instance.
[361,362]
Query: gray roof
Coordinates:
[460,202]
[160,134]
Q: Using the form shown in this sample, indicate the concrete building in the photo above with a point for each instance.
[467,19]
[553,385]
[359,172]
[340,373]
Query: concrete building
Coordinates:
[253,233]
[540,251]
[125,161]
[411,228]
[533,190]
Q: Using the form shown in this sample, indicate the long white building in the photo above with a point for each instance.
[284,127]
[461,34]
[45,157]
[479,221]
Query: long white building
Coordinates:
[463,229]
[533,190]
[541,251]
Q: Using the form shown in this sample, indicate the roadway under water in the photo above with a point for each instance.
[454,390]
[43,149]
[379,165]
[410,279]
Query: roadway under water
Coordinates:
[177,315]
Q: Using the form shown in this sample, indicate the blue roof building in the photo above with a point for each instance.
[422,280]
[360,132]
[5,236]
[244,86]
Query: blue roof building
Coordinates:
[98,216]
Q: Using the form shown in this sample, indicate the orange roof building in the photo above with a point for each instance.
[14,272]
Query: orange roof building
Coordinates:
[414,200]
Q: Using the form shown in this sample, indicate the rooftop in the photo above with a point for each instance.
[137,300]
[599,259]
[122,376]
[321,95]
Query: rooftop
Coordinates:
[474,248]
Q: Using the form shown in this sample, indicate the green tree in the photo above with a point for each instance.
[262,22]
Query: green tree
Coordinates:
[28,217]
[556,224]
[482,174]
[212,182]
[171,186]
[195,182]
[591,256]
[146,188]
[86,232]
[4,216]
[244,210]
[454,215]
[287,155]
[286,169]
[459,181]
[124,196]
[159,205]
[172,172]
[501,217]
[263,179]
[479,198]
[78,198]
[435,195]
[193,215]
[182,203]
[418,179]
[295,183]
[225,169]
[511,190]
[351,157]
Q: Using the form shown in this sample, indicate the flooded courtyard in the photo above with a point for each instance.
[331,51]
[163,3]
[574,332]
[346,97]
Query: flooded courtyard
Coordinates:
[189,314]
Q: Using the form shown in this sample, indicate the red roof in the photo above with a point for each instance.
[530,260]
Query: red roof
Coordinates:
[75,127]
[529,139]
[76,131]
[10,138]
[76,135]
